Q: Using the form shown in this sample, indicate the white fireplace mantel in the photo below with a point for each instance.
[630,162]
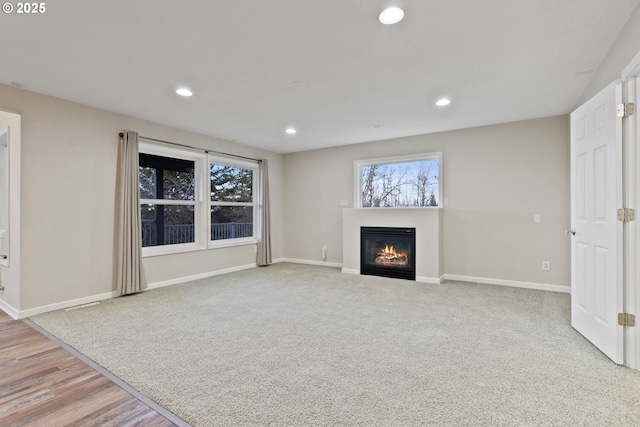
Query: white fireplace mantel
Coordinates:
[427,222]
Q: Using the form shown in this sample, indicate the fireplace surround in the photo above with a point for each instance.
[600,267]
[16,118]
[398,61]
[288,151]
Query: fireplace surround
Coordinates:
[426,221]
[388,252]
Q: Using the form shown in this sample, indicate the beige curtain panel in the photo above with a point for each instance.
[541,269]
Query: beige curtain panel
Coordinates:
[264,239]
[130,274]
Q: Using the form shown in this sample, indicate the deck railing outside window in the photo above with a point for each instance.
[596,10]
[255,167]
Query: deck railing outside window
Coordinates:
[184,233]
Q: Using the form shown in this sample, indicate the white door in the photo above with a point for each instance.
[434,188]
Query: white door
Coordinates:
[596,248]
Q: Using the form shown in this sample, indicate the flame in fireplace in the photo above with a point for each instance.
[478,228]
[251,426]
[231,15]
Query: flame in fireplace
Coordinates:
[389,256]
[388,252]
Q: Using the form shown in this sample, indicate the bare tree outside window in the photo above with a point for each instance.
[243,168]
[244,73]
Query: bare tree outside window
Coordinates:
[401,184]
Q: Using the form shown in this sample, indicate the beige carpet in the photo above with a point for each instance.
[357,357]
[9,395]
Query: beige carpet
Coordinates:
[295,345]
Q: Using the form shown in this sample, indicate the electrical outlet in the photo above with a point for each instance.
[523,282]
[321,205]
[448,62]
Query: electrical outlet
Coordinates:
[546,265]
[536,218]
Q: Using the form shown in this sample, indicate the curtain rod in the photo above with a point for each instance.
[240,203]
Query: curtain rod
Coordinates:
[121,135]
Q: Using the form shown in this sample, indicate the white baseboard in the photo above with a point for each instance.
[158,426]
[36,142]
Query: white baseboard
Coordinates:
[65,304]
[21,314]
[9,309]
[432,280]
[310,262]
[184,279]
[482,280]
[512,283]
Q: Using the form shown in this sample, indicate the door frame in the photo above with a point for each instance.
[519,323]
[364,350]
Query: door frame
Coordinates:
[631,196]
[10,296]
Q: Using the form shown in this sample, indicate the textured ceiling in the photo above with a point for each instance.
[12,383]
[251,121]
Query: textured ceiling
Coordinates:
[328,68]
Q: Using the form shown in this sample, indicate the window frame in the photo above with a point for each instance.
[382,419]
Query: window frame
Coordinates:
[200,160]
[241,164]
[359,164]
[202,198]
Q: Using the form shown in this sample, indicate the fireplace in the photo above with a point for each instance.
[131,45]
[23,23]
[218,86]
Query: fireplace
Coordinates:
[388,252]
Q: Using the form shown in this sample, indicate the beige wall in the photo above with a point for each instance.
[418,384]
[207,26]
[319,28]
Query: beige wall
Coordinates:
[495,177]
[626,47]
[68,192]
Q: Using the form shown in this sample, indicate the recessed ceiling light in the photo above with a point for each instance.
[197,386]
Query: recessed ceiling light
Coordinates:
[290,131]
[391,15]
[183,91]
[443,101]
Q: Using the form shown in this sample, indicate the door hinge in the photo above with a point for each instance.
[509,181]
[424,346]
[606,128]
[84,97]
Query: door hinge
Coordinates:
[626,215]
[626,319]
[626,109]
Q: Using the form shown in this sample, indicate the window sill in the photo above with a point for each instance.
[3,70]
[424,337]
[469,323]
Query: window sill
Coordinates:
[151,251]
[216,244]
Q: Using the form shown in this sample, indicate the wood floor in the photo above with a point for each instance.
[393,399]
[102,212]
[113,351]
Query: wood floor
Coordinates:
[42,384]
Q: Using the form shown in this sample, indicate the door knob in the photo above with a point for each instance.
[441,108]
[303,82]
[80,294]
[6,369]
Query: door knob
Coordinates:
[571,231]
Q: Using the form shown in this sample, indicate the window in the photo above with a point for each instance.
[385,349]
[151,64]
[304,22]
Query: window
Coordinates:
[164,180]
[177,215]
[233,199]
[170,199]
[399,182]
